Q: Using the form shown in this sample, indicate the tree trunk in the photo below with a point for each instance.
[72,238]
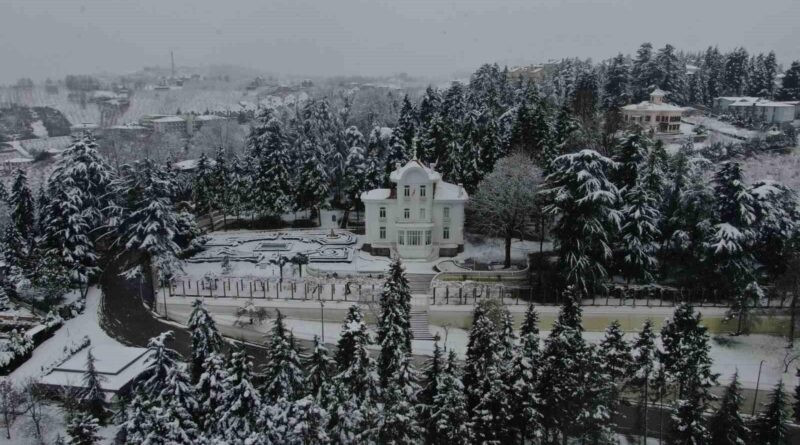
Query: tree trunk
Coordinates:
[508,252]
[793,316]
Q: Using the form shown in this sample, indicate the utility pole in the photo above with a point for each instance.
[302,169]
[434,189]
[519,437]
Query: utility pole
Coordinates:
[172,58]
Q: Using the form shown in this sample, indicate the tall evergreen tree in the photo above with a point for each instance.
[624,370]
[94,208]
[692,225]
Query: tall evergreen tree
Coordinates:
[432,374]
[726,426]
[643,72]
[671,74]
[206,340]
[640,218]
[688,422]
[394,326]
[735,72]
[272,186]
[616,93]
[580,194]
[211,390]
[241,403]
[630,154]
[92,397]
[770,426]
[450,416]
[790,88]
[685,356]
[20,200]
[406,125]
[319,367]
[283,374]
[525,378]
[203,188]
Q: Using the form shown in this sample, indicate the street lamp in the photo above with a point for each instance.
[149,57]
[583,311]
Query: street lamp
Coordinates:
[758,380]
[322,318]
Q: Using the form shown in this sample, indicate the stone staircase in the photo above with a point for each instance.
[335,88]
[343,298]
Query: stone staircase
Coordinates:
[419,323]
[419,283]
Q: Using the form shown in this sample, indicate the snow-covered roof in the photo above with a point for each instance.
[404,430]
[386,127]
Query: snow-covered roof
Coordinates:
[650,106]
[658,92]
[758,102]
[376,195]
[118,365]
[446,191]
[191,164]
[18,160]
[128,127]
[168,119]
[208,117]
[84,126]
[414,164]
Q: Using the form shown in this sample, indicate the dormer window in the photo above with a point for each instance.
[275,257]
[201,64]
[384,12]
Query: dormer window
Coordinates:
[422,190]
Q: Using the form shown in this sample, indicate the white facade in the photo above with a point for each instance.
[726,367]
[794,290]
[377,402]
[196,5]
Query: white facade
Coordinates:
[655,114]
[420,217]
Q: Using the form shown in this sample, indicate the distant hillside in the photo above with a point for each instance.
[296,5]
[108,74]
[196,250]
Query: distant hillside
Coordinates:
[216,97]
[22,122]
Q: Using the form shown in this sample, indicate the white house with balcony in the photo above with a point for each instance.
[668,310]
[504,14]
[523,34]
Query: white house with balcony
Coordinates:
[419,217]
[655,114]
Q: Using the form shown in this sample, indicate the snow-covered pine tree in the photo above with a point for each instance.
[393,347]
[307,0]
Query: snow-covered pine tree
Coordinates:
[394,325]
[236,415]
[532,130]
[319,367]
[220,184]
[177,407]
[688,422]
[639,233]
[643,365]
[790,88]
[203,188]
[206,340]
[564,362]
[643,72]
[144,217]
[430,378]
[5,302]
[354,413]
[525,378]
[239,188]
[616,93]
[616,359]
[671,74]
[211,390]
[355,166]
[449,413]
[406,128]
[685,356]
[258,131]
[726,426]
[735,72]
[82,429]
[796,405]
[770,426]
[585,202]
[20,201]
[272,185]
[777,218]
[398,423]
[92,397]
[306,422]
[283,375]
[137,421]
[160,359]
[312,183]
[629,154]
[437,141]
[397,154]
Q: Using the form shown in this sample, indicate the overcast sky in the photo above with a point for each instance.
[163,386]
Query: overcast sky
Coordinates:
[41,38]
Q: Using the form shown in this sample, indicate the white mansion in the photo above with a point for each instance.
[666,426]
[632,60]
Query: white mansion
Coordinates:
[655,114]
[419,217]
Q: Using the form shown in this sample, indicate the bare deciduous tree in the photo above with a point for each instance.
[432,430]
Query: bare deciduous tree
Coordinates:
[507,201]
[10,404]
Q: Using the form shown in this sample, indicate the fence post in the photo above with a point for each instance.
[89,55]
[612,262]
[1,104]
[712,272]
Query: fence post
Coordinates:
[447,295]
[183,286]
[461,295]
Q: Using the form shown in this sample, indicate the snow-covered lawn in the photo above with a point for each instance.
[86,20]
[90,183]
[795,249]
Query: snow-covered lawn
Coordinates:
[718,126]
